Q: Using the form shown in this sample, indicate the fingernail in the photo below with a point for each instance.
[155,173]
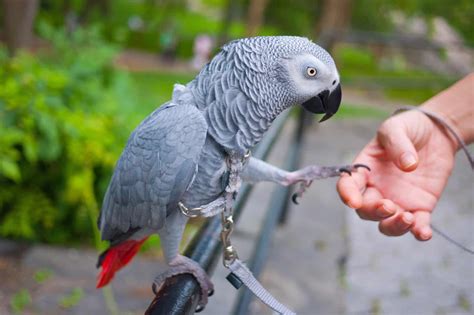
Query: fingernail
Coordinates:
[407,160]
[384,212]
[408,218]
[425,233]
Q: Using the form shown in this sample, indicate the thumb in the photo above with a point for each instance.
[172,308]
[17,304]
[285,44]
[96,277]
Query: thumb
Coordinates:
[399,146]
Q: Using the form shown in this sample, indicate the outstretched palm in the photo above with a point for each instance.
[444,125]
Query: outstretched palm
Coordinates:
[400,186]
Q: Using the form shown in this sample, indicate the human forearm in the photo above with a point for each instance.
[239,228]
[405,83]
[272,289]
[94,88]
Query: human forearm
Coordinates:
[456,104]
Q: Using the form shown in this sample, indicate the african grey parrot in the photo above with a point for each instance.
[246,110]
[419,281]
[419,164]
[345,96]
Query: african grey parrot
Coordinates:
[177,156]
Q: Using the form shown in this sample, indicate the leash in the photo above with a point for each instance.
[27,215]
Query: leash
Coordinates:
[240,274]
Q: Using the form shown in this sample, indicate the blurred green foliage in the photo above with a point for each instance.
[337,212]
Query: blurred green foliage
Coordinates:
[42,275]
[65,114]
[72,299]
[459,13]
[20,301]
[352,111]
[60,135]
[361,68]
[153,21]
[152,89]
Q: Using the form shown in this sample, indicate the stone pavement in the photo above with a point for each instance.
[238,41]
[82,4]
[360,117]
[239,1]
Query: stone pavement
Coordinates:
[325,260]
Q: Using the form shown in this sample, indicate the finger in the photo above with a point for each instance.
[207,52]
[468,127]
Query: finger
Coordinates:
[398,224]
[422,229]
[370,202]
[393,137]
[375,208]
[350,189]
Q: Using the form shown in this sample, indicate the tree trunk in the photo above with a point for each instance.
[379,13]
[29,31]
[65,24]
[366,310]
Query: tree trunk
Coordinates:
[335,18]
[19,16]
[255,16]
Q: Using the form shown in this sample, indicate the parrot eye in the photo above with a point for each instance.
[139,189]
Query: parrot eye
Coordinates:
[311,71]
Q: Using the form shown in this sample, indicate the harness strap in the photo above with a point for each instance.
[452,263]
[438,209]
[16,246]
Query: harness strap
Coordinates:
[247,278]
[240,273]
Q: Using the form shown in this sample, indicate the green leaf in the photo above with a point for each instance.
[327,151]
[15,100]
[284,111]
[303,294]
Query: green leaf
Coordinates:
[10,169]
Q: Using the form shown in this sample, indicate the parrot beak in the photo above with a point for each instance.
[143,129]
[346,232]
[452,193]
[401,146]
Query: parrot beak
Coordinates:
[325,103]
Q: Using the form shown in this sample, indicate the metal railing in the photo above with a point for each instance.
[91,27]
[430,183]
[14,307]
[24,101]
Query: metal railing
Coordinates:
[180,294]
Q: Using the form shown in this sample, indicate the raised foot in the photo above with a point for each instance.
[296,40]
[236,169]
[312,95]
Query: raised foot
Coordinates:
[182,264]
[306,176]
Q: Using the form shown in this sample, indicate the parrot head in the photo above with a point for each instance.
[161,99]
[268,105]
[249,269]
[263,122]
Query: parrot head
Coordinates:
[312,77]
[315,83]
[281,71]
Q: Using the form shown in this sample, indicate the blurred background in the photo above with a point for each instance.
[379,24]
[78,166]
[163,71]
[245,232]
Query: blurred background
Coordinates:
[77,76]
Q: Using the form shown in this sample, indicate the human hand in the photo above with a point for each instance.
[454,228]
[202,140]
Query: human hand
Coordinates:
[411,159]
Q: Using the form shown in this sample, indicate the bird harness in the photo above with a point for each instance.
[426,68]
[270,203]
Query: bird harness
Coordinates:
[240,274]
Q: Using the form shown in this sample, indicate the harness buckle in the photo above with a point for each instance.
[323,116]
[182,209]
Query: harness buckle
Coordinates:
[190,213]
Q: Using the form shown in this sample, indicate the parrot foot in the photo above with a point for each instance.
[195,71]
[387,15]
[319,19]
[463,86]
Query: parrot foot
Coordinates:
[182,264]
[307,175]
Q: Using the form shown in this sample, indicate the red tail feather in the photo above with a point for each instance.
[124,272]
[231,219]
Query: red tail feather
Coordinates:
[115,258]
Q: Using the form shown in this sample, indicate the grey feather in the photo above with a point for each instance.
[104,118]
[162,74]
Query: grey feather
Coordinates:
[244,88]
[178,153]
[154,170]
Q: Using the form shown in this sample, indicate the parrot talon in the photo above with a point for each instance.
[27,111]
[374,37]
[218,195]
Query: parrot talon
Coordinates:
[294,198]
[154,288]
[211,292]
[356,166]
[199,309]
[345,170]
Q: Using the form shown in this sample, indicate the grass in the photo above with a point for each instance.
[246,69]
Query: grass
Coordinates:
[72,299]
[42,275]
[20,301]
[352,111]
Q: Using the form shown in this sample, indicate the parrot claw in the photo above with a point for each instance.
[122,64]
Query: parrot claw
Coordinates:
[294,198]
[350,168]
[199,309]
[345,170]
[299,192]
[356,166]
[306,176]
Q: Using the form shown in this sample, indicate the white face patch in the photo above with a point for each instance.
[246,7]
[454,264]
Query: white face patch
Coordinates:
[305,84]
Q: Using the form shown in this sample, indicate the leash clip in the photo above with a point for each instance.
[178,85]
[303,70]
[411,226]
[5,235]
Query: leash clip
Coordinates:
[230,254]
